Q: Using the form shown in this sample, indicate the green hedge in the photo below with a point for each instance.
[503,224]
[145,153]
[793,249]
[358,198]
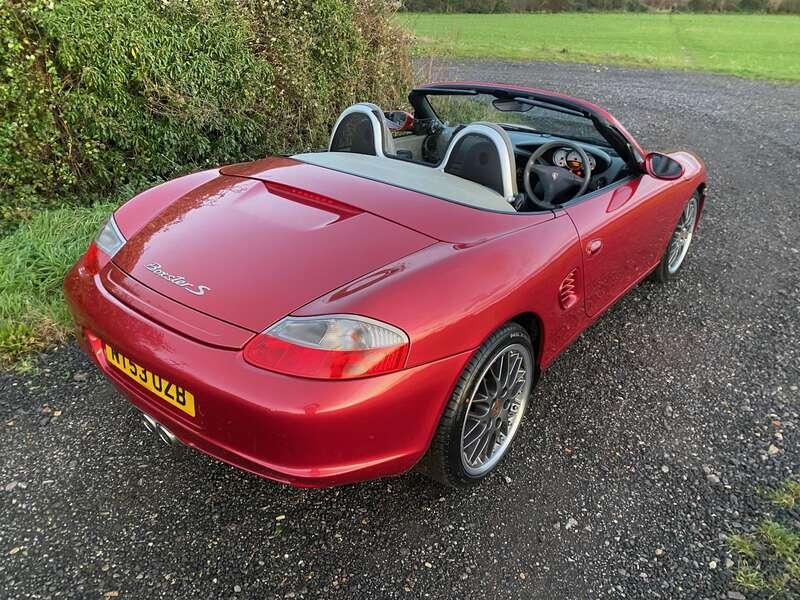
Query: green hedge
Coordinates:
[95,94]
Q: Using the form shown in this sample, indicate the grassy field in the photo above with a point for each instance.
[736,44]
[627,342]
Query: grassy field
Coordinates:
[755,46]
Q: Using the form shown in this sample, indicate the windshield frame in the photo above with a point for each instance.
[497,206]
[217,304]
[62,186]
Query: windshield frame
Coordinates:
[625,146]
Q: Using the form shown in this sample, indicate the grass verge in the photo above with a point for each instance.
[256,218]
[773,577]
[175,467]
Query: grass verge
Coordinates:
[769,557]
[754,46]
[33,262]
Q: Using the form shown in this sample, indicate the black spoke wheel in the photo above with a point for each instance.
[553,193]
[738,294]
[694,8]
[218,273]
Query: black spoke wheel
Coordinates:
[485,410]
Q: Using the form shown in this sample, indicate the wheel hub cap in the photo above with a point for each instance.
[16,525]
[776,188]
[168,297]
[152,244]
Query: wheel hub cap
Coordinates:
[496,408]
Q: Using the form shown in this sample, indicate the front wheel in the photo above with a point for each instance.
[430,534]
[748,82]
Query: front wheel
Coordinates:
[679,243]
[485,410]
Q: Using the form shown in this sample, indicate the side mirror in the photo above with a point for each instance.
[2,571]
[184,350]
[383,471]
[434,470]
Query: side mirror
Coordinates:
[399,120]
[662,166]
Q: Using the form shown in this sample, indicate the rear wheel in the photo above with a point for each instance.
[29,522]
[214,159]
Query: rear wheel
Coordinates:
[679,243]
[485,410]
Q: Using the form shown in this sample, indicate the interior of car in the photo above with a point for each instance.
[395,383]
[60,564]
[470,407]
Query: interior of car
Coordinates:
[488,149]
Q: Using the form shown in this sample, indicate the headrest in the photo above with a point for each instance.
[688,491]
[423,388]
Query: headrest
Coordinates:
[362,129]
[483,153]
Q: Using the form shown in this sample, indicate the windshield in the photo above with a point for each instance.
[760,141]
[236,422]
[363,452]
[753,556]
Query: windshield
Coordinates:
[465,109]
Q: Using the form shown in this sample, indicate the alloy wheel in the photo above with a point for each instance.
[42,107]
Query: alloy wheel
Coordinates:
[495,408]
[682,237]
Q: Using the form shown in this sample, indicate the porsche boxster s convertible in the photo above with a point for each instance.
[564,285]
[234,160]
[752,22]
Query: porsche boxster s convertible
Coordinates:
[386,302]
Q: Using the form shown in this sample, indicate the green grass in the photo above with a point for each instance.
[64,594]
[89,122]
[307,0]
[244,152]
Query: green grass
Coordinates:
[786,496]
[769,558]
[748,578]
[754,46]
[33,262]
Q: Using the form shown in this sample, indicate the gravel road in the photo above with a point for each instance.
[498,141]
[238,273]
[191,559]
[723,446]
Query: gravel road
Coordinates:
[644,446]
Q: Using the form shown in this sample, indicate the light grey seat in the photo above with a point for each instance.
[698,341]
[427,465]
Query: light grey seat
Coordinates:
[362,129]
[483,153]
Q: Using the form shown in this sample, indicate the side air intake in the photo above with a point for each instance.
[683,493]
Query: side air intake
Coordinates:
[568,291]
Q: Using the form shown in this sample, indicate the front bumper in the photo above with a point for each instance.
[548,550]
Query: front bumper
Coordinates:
[303,432]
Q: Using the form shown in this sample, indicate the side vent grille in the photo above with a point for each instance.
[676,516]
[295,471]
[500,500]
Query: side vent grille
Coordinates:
[568,291]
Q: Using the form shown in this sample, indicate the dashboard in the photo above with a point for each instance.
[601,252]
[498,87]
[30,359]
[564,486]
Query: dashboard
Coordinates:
[606,166]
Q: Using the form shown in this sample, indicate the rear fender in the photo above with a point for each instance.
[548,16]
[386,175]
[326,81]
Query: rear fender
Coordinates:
[142,208]
[450,297]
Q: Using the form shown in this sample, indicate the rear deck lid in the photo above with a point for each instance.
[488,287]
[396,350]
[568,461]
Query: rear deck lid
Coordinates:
[249,254]
[439,218]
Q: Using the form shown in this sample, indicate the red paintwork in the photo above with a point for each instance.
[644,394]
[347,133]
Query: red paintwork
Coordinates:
[261,255]
[300,431]
[633,224]
[442,220]
[277,236]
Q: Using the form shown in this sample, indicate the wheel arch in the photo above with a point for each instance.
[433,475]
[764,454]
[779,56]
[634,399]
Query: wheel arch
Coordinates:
[701,191]
[534,325]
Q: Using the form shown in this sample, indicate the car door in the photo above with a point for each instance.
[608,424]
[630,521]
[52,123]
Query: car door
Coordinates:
[623,231]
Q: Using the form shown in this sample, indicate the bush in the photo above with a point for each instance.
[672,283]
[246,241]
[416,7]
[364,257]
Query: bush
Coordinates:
[708,6]
[99,93]
[753,5]
[788,7]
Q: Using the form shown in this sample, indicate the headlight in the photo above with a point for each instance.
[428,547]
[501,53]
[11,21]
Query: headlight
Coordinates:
[109,239]
[329,347]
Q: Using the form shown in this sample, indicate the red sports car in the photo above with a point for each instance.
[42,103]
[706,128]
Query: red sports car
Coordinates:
[390,301]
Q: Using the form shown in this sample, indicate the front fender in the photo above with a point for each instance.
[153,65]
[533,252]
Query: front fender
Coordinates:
[694,172]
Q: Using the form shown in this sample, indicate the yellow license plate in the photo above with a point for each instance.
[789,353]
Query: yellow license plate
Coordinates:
[177,396]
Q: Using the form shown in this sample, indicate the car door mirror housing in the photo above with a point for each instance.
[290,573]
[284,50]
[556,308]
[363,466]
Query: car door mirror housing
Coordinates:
[662,166]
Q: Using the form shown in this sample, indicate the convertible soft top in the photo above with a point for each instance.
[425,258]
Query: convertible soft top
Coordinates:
[410,176]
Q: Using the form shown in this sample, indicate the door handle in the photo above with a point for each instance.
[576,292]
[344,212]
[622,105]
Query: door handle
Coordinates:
[593,247]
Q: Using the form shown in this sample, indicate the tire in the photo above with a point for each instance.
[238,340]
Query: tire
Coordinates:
[446,460]
[671,264]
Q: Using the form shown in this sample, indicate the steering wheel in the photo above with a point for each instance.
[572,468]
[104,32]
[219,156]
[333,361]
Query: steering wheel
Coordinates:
[555,180]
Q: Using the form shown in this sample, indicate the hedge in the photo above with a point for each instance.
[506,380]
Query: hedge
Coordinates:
[96,94]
